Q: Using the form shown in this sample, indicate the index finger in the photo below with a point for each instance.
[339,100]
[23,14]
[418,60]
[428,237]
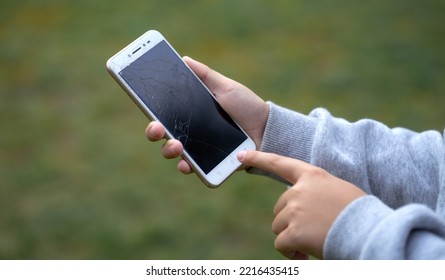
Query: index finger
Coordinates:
[288,168]
[155,131]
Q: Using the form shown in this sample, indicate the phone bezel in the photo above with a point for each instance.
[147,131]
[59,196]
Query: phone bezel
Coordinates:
[131,53]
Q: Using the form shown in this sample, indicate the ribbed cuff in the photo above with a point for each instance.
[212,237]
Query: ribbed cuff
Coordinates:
[348,234]
[287,133]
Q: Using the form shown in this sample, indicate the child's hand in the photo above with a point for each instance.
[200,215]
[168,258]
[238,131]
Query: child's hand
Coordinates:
[305,212]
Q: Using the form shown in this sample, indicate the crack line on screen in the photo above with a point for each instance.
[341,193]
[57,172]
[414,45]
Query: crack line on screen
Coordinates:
[161,79]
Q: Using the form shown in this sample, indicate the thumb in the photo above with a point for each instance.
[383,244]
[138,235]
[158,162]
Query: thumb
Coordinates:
[215,81]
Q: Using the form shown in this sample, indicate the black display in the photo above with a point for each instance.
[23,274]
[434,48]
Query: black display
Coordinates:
[182,104]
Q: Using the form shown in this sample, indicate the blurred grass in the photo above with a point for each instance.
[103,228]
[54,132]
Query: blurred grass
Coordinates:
[78,178]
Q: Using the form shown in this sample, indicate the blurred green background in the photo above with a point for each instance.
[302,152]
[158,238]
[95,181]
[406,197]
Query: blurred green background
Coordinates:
[80,181]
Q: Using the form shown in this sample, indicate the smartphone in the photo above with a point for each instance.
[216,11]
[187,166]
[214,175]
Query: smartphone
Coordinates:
[167,90]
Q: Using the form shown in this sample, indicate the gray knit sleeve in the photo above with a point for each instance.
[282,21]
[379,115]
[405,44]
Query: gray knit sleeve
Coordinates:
[402,171]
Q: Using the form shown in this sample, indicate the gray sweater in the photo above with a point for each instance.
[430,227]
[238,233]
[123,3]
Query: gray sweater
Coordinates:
[403,173]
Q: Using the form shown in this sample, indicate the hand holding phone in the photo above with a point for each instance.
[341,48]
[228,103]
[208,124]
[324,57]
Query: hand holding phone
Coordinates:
[166,90]
[244,106]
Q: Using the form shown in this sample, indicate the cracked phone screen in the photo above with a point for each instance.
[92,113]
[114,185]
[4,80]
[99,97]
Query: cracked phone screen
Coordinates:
[183,105]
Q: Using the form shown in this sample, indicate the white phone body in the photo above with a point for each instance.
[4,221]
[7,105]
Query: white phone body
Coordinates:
[166,89]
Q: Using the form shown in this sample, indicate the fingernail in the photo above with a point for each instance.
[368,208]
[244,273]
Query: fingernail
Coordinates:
[188,58]
[241,155]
